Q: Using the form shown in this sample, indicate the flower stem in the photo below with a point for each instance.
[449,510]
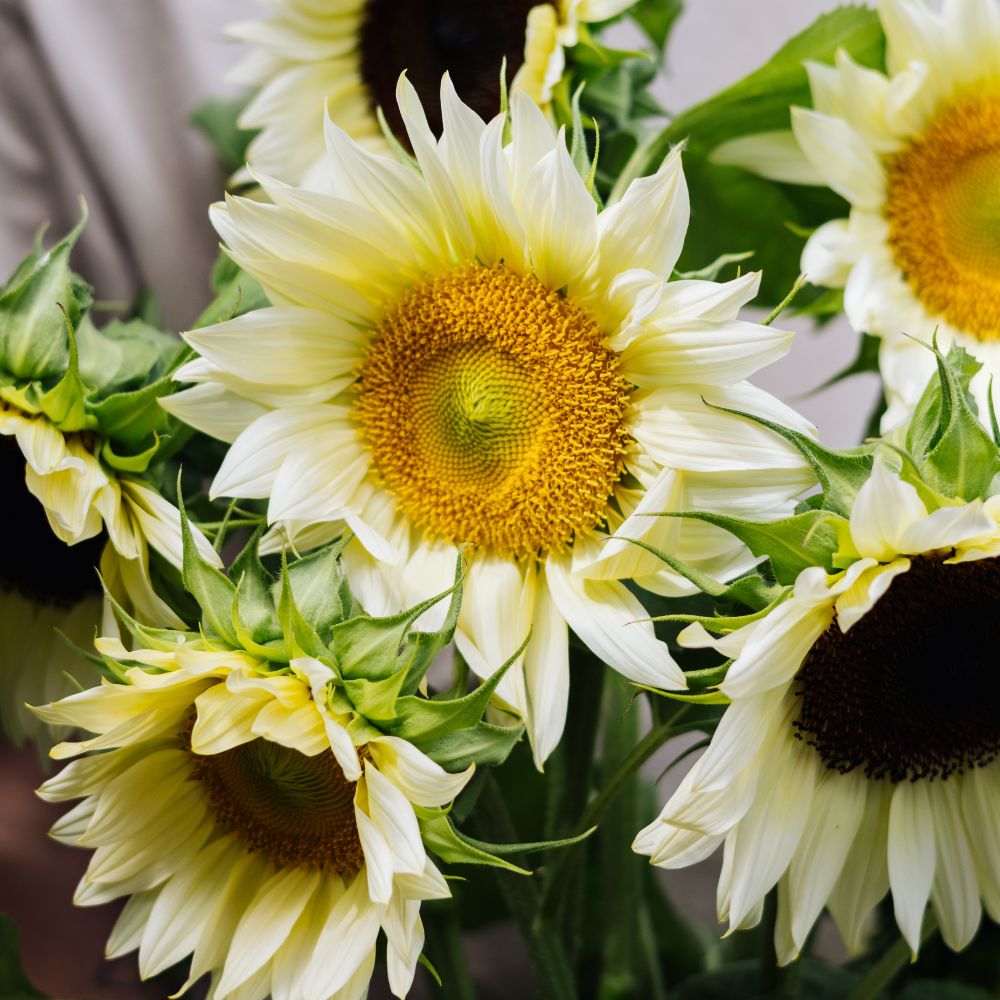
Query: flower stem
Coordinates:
[892,962]
[521,895]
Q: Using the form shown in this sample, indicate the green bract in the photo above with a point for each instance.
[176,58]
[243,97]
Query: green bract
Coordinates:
[379,665]
[54,361]
[944,451]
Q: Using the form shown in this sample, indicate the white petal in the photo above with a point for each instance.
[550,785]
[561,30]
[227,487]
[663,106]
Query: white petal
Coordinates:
[424,782]
[392,813]
[912,857]
[955,890]
[775,155]
[883,509]
[614,624]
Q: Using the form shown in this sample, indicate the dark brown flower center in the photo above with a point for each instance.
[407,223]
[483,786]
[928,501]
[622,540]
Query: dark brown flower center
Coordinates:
[37,564]
[428,38]
[911,690]
[295,810]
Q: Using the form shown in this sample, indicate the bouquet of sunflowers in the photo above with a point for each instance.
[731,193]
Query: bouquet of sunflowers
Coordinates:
[451,572]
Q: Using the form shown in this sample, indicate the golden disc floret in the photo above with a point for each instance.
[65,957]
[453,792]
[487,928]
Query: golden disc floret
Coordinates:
[493,411]
[943,210]
[297,811]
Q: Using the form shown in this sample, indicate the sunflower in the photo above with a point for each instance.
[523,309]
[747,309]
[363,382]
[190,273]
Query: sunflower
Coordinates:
[472,354]
[858,754]
[347,56]
[75,418]
[293,791]
[916,153]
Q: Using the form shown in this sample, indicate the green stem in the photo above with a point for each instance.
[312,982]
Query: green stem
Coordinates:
[522,898]
[444,942]
[645,749]
[895,959]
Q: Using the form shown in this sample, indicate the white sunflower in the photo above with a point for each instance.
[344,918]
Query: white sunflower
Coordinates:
[916,152]
[474,354]
[275,847]
[347,54]
[858,755]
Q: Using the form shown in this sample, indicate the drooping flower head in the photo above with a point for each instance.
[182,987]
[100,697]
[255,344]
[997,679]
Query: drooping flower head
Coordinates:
[473,353]
[348,55]
[915,152]
[79,431]
[859,752]
[262,789]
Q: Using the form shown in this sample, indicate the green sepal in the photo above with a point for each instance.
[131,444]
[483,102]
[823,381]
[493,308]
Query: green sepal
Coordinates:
[421,720]
[440,837]
[212,589]
[235,293]
[752,590]
[163,640]
[421,648]
[130,463]
[274,650]
[721,624]
[132,417]
[65,404]
[953,451]
[317,582]
[484,744]
[792,544]
[840,473]
[301,639]
[376,699]
[124,354]
[702,698]
[370,648]
[709,677]
[257,612]
[34,308]
[712,271]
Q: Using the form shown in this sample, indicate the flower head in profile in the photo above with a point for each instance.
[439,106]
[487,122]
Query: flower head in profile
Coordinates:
[297,774]
[859,752]
[347,56]
[79,432]
[472,353]
[914,151]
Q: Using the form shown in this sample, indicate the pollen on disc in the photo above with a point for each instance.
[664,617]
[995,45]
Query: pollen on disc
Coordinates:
[943,210]
[493,412]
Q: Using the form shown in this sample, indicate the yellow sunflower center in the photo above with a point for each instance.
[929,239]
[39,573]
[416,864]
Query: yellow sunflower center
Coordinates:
[943,209]
[295,810]
[493,412]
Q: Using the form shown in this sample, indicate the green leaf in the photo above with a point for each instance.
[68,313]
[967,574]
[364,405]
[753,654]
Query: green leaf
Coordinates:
[218,122]
[656,18]
[422,719]
[953,451]
[792,544]
[212,589]
[482,744]
[760,102]
[733,209]
[441,838]
[33,341]
[840,473]
[14,984]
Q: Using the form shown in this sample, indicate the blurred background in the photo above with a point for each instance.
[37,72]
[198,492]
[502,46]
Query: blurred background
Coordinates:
[95,98]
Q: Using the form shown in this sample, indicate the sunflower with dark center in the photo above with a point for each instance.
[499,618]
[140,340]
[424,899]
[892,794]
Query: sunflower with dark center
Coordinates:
[473,354]
[274,848]
[859,752]
[346,55]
